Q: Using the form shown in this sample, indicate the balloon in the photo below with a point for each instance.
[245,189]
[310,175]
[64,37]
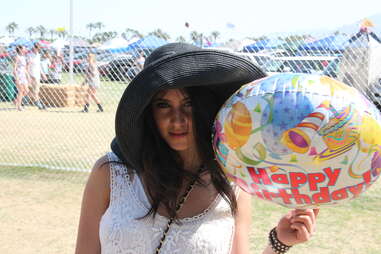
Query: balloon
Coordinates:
[299,140]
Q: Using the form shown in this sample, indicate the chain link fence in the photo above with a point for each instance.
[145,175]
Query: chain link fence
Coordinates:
[69,123]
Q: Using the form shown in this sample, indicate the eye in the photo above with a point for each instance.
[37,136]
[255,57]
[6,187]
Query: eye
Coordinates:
[188,104]
[161,104]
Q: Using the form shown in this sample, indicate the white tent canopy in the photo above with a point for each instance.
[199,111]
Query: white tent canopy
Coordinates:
[59,44]
[6,40]
[374,63]
[117,42]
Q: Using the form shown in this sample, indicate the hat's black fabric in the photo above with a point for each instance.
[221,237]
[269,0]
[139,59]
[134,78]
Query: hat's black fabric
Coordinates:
[175,65]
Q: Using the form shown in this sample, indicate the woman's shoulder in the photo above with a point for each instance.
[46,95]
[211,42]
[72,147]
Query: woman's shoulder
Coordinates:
[100,173]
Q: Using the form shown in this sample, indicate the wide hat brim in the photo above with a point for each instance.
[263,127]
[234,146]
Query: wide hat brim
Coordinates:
[224,73]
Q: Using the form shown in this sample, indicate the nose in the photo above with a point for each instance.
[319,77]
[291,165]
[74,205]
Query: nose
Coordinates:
[178,116]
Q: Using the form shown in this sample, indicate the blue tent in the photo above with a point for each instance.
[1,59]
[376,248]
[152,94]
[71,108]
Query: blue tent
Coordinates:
[330,43]
[21,41]
[263,44]
[149,42]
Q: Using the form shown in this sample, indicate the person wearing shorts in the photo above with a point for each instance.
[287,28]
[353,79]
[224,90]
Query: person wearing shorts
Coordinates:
[21,76]
[34,68]
[92,79]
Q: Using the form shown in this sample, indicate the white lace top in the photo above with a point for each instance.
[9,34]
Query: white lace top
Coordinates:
[121,232]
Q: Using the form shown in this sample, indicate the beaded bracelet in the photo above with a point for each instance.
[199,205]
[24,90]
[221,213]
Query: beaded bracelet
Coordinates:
[277,246]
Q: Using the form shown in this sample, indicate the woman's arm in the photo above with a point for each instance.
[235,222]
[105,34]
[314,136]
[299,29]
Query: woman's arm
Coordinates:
[15,67]
[242,224]
[94,203]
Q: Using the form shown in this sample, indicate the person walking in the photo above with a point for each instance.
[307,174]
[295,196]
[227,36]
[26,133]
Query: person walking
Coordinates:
[21,76]
[92,79]
[35,74]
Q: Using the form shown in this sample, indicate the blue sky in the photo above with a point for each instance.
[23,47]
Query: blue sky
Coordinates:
[251,17]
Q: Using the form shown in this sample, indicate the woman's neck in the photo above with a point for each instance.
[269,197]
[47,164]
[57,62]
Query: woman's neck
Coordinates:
[192,161]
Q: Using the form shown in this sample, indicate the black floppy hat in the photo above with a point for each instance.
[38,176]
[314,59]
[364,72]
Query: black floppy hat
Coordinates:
[175,65]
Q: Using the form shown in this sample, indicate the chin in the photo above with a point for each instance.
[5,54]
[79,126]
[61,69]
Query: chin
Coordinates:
[179,148]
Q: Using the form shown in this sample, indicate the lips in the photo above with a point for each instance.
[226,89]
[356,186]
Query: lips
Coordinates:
[178,134]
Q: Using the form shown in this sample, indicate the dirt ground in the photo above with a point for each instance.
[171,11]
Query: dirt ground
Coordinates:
[38,216]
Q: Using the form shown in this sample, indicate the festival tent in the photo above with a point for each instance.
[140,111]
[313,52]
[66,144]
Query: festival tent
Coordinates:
[21,41]
[78,42]
[238,45]
[359,65]
[332,43]
[147,43]
[59,44]
[5,41]
[266,44]
[115,43]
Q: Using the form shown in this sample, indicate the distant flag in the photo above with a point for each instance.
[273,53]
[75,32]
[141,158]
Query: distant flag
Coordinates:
[60,29]
[230,25]
[186,24]
[367,23]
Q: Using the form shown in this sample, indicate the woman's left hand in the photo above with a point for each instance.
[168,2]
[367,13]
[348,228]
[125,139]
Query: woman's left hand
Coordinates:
[297,226]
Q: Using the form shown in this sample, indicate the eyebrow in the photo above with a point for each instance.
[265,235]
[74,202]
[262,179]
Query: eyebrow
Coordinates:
[166,100]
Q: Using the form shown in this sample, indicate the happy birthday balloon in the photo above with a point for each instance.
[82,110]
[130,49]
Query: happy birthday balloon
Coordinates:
[299,140]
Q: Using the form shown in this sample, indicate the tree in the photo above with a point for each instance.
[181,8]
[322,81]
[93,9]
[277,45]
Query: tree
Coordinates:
[215,35]
[61,32]
[90,26]
[52,33]
[129,33]
[99,26]
[159,33]
[180,39]
[197,38]
[30,30]
[105,36]
[11,28]
[42,30]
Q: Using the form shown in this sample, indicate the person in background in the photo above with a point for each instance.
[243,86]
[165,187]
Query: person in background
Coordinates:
[21,75]
[139,62]
[55,69]
[92,79]
[160,190]
[45,63]
[35,74]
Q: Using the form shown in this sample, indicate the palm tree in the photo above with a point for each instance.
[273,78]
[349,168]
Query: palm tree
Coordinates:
[105,36]
[31,30]
[42,30]
[90,26]
[99,26]
[61,32]
[130,33]
[215,35]
[11,27]
[197,38]
[180,39]
[52,33]
[161,34]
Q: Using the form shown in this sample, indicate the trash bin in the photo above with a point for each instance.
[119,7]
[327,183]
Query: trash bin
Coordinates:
[8,89]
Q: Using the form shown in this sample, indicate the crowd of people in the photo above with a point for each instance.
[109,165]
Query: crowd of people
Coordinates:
[31,69]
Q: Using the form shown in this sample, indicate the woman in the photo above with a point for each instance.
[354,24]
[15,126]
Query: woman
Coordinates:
[160,190]
[93,81]
[21,76]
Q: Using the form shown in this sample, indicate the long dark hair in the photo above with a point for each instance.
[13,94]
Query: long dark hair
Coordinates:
[162,167]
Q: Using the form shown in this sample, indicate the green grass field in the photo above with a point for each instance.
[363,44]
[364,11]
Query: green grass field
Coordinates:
[39,212]
[59,137]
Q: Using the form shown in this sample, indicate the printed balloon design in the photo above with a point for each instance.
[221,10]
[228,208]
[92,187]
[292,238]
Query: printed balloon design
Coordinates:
[299,140]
